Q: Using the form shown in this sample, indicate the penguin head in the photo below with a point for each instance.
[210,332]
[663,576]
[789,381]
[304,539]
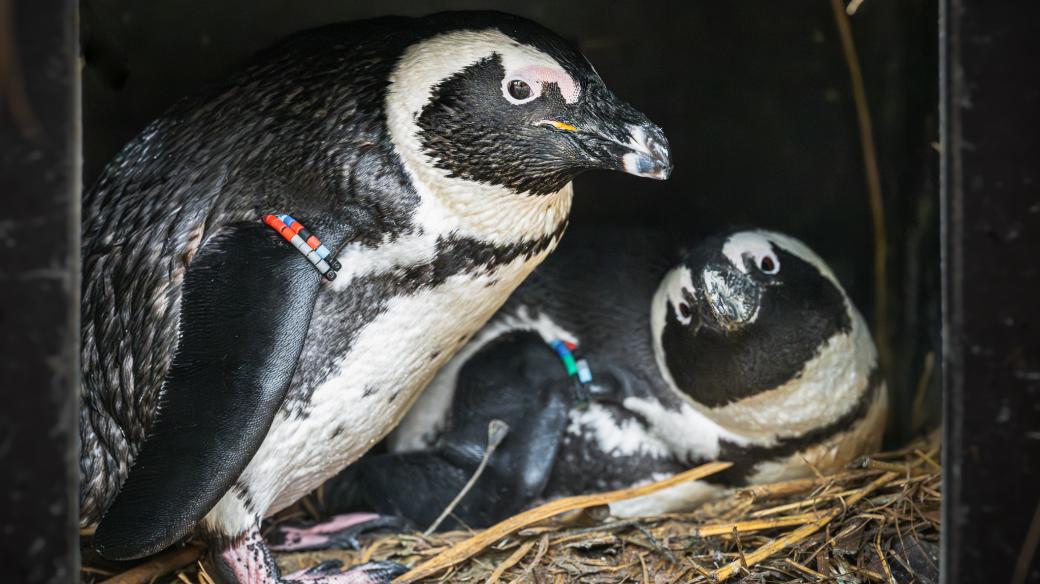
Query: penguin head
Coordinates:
[743,313]
[498,100]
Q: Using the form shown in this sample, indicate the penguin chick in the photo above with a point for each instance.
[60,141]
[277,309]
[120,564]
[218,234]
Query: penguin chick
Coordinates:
[746,349]
[222,377]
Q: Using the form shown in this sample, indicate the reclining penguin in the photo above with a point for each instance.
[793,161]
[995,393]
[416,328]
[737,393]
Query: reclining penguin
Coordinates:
[425,163]
[744,349]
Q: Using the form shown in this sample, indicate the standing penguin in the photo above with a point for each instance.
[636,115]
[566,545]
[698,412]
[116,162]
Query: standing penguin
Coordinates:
[223,377]
[744,349]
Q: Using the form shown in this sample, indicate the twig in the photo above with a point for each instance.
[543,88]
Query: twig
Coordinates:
[497,430]
[927,458]
[511,561]
[656,544]
[604,528]
[881,555]
[873,175]
[472,546]
[754,525]
[158,566]
[792,537]
[807,502]
[543,546]
[204,577]
[740,549]
[799,485]
[804,569]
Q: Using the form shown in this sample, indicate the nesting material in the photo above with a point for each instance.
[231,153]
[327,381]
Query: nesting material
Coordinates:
[877,521]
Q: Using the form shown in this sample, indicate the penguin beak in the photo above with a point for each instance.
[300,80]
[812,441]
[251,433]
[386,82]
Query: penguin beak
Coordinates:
[615,136]
[648,153]
[729,299]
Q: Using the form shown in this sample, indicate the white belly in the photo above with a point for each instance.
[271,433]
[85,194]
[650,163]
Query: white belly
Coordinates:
[392,359]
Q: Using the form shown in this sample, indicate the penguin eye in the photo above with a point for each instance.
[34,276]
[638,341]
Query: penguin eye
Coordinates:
[768,264]
[519,89]
[684,310]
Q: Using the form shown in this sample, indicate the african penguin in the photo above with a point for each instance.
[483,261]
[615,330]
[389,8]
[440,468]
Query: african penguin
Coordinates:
[745,348]
[223,378]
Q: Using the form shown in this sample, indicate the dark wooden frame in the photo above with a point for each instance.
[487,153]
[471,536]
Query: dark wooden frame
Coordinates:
[39,290]
[991,282]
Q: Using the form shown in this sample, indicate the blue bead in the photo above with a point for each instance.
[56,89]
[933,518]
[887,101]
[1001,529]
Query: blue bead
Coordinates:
[584,372]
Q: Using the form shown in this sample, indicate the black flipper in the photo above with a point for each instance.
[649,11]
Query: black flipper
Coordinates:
[247,303]
[516,378]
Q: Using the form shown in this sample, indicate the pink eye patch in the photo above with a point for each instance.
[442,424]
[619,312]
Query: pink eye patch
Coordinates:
[543,75]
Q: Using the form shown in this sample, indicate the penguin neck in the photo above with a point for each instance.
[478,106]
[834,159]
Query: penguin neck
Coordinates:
[488,213]
[842,371]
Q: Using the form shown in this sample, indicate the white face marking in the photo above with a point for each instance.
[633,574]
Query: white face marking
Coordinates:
[754,244]
[669,292]
[426,64]
[759,244]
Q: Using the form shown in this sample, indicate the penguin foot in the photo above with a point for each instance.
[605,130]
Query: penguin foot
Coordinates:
[339,532]
[249,561]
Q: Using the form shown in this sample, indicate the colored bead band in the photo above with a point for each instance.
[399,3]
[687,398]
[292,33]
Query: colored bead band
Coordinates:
[577,368]
[306,243]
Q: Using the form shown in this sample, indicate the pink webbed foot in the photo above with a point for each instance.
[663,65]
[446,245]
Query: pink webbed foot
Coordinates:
[248,560]
[339,532]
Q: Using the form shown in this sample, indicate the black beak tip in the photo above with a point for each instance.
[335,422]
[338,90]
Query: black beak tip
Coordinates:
[650,156]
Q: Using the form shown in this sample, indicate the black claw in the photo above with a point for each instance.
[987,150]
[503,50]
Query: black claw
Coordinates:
[387,570]
[348,538]
[325,568]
